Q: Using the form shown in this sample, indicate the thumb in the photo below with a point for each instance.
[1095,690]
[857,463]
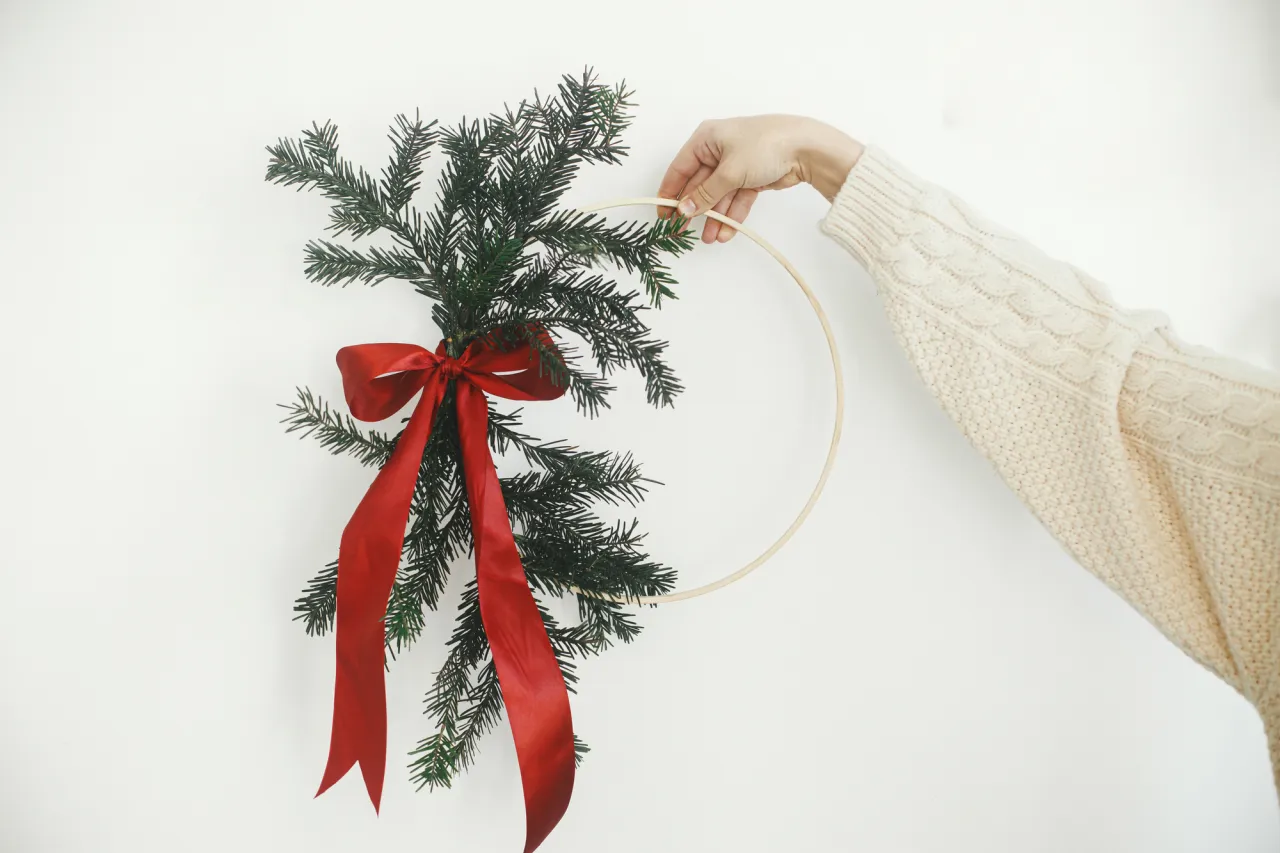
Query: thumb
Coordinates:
[696,201]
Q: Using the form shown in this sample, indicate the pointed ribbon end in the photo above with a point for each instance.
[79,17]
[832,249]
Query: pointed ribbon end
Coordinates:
[331,777]
[372,782]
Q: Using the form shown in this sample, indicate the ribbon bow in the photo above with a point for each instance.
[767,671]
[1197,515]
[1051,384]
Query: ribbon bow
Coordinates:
[378,380]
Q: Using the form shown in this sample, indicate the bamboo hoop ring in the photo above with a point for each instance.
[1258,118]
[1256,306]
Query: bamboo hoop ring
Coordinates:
[835,431]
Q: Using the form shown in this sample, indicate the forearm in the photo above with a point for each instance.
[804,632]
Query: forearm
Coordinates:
[1156,466]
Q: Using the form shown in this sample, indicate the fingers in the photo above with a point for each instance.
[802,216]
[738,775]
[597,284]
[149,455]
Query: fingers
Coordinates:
[714,229]
[701,174]
[702,180]
[698,199]
[683,169]
[738,210]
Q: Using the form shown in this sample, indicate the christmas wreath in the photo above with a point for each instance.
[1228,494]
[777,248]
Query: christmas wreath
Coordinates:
[523,315]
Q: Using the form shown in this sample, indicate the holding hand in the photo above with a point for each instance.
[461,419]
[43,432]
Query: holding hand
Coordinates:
[726,163]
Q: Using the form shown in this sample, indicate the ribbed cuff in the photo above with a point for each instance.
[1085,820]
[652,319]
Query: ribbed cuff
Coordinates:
[876,197]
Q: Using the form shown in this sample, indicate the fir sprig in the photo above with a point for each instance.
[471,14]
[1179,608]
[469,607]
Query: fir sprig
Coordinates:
[311,416]
[503,263]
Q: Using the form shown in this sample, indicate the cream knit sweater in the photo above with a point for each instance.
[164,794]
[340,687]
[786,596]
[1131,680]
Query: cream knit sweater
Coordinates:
[1155,464]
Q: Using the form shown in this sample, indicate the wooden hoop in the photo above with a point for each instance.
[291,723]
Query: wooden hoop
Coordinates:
[835,432]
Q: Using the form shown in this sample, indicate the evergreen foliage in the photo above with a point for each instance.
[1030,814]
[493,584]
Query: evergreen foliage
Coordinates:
[497,257]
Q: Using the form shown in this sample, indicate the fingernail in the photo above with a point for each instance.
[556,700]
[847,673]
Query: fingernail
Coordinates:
[686,207]
[725,234]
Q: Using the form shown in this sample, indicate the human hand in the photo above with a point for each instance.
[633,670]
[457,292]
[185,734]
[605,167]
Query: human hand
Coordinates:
[727,163]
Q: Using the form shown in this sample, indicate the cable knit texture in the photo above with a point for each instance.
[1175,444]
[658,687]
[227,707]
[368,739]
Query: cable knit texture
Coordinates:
[1156,464]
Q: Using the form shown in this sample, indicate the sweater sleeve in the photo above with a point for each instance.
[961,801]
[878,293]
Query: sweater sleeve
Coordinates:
[1154,463]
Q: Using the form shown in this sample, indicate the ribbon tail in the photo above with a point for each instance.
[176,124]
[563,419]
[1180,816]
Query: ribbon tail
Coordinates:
[368,557]
[359,702]
[532,684]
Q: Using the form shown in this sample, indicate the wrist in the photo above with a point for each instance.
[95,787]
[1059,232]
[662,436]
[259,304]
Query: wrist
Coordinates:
[826,157]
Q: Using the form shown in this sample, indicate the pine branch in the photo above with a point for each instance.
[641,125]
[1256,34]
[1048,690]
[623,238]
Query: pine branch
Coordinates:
[456,229]
[583,479]
[587,238]
[436,537]
[410,142]
[438,757]
[319,601]
[577,549]
[337,433]
[612,347]
[314,162]
[359,206]
[566,644]
[503,435]
[328,263]
[548,295]
[582,125]
[483,711]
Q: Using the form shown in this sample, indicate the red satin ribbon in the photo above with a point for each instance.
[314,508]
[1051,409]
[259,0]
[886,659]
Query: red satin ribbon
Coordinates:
[379,379]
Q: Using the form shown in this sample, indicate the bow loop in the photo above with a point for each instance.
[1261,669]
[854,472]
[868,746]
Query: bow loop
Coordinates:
[379,379]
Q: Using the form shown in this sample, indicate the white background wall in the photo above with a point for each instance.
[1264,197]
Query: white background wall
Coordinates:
[923,669]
